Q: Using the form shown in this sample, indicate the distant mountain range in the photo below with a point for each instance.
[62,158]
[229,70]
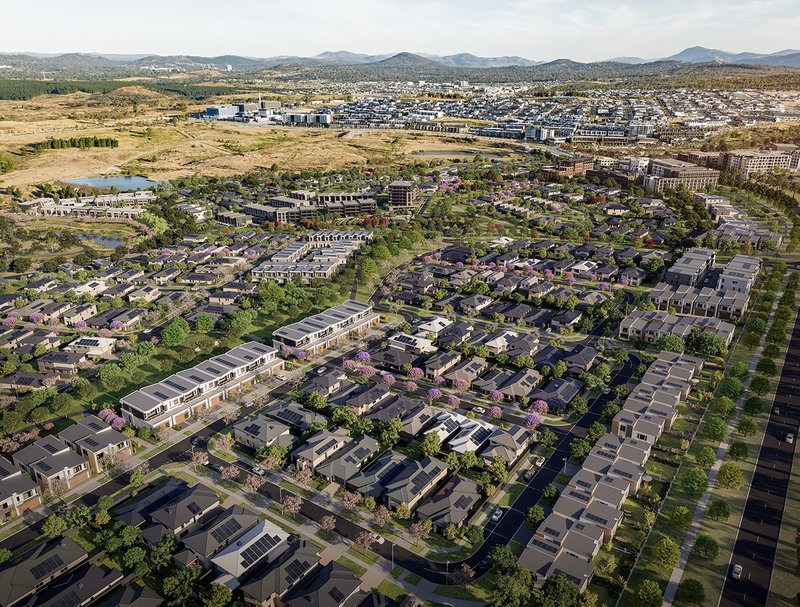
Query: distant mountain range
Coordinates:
[695,54]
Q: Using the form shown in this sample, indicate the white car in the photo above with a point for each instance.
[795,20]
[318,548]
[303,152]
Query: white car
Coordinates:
[606,390]
[479,410]
[281,377]
[790,438]
[378,539]
[321,370]
[539,462]
[497,515]
[258,470]
[736,572]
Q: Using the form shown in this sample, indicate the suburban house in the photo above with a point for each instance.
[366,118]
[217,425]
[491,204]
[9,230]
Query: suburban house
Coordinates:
[62,363]
[203,542]
[252,549]
[93,347]
[49,461]
[94,439]
[177,516]
[320,447]
[273,582]
[332,586]
[417,480]
[347,462]
[261,432]
[508,444]
[452,504]
[441,363]
[18,492]
[174,400]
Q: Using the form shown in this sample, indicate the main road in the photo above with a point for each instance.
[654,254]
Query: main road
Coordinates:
[759,530]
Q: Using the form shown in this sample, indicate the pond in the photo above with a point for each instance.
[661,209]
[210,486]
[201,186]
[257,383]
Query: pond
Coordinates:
[457,154]
[111,242]
[122,183]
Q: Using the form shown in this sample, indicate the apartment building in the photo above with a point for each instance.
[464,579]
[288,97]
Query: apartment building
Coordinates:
[174,400]
[652,326]
[669,173]
[326,329]
[747,163]
[684,299]
[691,268]
[740,274]
[403,196]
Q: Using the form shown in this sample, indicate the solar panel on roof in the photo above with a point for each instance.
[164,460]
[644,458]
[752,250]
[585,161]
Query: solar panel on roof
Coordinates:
[160,395]
[193,507]
[258,549]
[295,570]
[336,594]
[226,530]
[551,531]
[596,519]
[252,429]
[481,435]
[463,502]
[91,442]
[49,448]
[47,566]
[544,546]
[70,599]
[44,466]
[421,480]
[94,426]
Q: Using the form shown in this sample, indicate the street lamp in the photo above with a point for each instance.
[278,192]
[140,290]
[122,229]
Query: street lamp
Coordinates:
[392,556]
[564,459]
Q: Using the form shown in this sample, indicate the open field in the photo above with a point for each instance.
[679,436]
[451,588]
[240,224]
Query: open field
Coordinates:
[156,141]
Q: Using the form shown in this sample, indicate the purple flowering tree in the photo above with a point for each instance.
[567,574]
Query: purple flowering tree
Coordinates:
[106,414]
[459,385]
[495,412]
[533,421]
[366,371]
[117,422]
[604,286]
[434,394]
[411,386]
[287,350]
[453,401]
[37,317]
[116,325]
[415,373]
[104,332]
[539,406]
[9,321]
[363,357]
[388,379]
[301,355]
[349,365]
[439,380]
[495,396]
[80,324]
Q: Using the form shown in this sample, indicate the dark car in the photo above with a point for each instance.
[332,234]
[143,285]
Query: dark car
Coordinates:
[484,563]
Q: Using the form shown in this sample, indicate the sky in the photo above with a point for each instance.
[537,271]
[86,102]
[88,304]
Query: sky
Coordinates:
[582,30]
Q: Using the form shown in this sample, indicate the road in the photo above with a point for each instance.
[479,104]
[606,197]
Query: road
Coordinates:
[757,539]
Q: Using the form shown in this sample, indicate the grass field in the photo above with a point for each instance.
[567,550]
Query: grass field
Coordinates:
[159,142]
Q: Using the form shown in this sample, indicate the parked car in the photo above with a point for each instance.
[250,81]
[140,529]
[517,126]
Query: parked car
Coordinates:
[736,572]
[216,468]
[484,563]
[606,390]
[539,461]
[776,411]
[198,441]
[790,438]
[321,370]
[281,376]
[378,539]
[479,410]
[497,515]
[258,470]
[530,474]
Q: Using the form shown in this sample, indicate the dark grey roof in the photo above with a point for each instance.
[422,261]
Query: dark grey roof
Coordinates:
[331,587]
[281,575]
[79,587]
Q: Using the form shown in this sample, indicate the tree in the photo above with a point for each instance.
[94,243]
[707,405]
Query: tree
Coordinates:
[694,481]
[760,385]
[738,450]
[364,540]
[328,522]
[730,476]
[470,460]
[382,515]
[420,530]
[723,406]
[706,547]
[431,444]
[253,483]
[102,518]
[534,516]
[54,526]
[558,591]
[547,438]
[746,426]
[349,499]
[216,595]
[767,366]
[706,457]
[129,535]
[5,555]
[671,343]
[579,449]
[649,594]
[681,518]
[292,504]
[731,387]
[509,591]
[474,534]
[715,428]
[503,559]
[133,556]
[665,554]
[161,555]
[691,590]
[175,333]
[463,575]
[753,405]
[605,562]
[204,323]
[718,510]
[77,516]
[402,512]
[181,586]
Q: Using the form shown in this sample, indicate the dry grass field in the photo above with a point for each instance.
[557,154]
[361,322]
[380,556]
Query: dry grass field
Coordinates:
[156,141]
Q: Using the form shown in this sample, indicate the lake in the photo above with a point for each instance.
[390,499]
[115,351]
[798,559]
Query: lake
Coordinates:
[107,241]
[122,183]
[455,154]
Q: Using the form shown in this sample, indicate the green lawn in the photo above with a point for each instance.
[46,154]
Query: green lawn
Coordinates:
[393,591]
[413,579]
[367,557]
[352,566]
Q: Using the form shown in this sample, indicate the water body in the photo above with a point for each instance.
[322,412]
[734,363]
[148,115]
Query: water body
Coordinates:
[107,241]
[445,154]
[122,183]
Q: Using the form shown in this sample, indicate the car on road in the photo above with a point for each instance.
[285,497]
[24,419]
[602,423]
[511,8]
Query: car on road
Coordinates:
[530,474]
[198,441]
[484,563]
[321,370]
[216,468]
[539,461]
[736,572]
[497,515]
[258,470]
[378,539]
[790,438]
[281,377]
[606,390]
[479,410]
[776,411]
